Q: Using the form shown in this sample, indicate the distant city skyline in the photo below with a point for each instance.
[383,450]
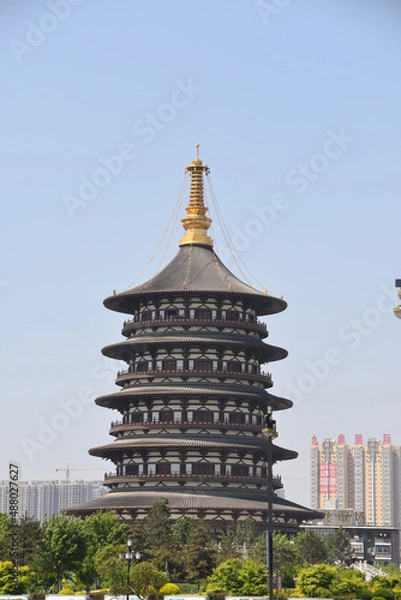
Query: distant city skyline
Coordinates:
[41,499]
[363,477]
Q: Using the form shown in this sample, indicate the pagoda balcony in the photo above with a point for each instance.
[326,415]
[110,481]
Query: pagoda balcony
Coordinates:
[113,478]
[133,324]
[263,377]
[121,426]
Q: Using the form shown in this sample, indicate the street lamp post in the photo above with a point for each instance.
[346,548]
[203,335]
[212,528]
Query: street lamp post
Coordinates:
[270,432]
[129,557]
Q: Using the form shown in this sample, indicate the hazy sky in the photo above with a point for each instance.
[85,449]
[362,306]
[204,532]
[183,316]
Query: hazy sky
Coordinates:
[296,105]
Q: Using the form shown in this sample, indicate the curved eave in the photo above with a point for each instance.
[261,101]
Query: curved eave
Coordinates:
[257,394]
[195,270]
[195,442]
[129,302]
[144,500]
[267,352]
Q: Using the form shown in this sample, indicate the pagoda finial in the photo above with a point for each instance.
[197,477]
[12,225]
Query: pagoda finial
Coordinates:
[196,223]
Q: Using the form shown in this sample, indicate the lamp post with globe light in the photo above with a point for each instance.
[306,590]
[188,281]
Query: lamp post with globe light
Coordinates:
[270,432]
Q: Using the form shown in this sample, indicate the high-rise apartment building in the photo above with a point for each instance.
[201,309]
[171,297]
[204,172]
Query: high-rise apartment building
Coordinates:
[363,478]
[42,499]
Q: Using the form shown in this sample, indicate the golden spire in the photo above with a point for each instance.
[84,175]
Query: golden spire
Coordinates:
[196,223]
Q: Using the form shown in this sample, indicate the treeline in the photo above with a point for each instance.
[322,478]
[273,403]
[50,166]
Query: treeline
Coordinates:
[78,555]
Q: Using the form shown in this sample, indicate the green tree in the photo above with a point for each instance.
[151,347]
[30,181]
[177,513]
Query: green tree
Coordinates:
[310,548]
[246,535]
[339,549]
[5,547]
[102,529]
[316,581]
[112,568]
[158,540]
[182,529]
[64,546]
[237,577]
[200,552]
[147,579]
[29,540]
[228,546]
[350,584]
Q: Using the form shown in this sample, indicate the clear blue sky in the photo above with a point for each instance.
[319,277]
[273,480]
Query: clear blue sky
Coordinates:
[297,109]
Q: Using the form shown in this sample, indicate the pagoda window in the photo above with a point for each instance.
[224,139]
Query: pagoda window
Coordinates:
[177,416]
[180,364]
[190,416]
[258,471]
[233,315]
[155,416]
[175,469]
[240,470]
[131,470]
[203,365]
[162,469]
[159,365]
[201,416]
[217,469]
[192,313]
[161,314]
[203,313]
[215,417]
[202,469]
[137,418]
[228,469]
[145,417]
[234,366]
[237,418]
[147,315]
[169,365]
[166,416]
[171,313]
[142,366]
[181,313]
[215,365]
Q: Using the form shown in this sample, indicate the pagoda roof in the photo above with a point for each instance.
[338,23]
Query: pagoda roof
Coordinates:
[142,343]
[195,269]
[178,441]
[144,500]
[173,390]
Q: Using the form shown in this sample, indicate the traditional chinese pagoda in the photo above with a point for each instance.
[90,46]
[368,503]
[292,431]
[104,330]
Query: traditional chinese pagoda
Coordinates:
[193,396]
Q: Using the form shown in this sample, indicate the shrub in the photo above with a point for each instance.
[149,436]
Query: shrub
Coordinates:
[169,589]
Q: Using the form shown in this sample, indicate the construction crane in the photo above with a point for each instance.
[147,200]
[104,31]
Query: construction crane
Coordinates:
[68,471]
